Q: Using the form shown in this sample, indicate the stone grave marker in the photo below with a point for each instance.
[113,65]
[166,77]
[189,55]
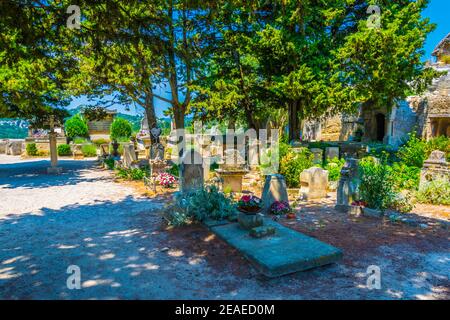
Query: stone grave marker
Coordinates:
[129,155]
[191,171]
[274,190]
[314,183]
[348,185]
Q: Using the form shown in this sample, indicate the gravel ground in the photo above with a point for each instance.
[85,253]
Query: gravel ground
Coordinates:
[125,251]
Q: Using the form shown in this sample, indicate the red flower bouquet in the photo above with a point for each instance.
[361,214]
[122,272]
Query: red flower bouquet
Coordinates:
[249,204]
[166,179]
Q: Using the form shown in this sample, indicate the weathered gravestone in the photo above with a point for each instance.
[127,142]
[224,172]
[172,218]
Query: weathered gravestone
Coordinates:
[129,155]
[3,144]
[314,183]
[348,185]
[14,148]
[331,153]
[191,171]
[231,170]
[435,167]
[274,190]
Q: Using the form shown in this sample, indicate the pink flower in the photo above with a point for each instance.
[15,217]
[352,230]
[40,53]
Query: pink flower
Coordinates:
[246,198]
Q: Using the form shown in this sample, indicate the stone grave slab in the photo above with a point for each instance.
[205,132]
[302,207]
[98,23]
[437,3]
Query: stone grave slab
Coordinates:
[285,252]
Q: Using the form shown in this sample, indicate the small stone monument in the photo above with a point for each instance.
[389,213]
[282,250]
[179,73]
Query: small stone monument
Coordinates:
[331,153]
[274,190]
[314,182]
[348,185]
[318,155]
[14,147]
[191,171]
[231,170]
[129,155]
[77,152]
[3,144]
[115,150]
[436,166]
[156,148]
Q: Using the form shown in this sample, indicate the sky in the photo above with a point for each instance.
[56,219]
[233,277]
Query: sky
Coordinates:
[438,11]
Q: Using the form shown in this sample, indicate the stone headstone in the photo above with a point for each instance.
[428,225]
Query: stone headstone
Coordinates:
[14,148]
[436,166]
[318,155]
[314,183]
[348,185]
[3,145]
[77,152]
[191,172]
[274,190]
[331,153]
[129,155]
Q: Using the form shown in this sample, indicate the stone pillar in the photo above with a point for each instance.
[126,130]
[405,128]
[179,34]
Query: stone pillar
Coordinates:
[274,190]
[54,169]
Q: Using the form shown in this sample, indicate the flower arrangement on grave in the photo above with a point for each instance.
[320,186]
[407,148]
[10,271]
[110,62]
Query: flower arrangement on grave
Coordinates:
[249,204]
[279,208]
[165,179]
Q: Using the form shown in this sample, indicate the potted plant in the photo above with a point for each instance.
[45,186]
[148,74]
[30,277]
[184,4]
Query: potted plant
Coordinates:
[250,208]
[249,204]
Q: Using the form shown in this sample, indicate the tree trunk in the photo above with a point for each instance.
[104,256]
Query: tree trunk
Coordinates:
[294,122]
[151,116]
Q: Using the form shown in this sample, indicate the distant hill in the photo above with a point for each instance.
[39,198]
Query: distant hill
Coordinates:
[18,128]
[13,128]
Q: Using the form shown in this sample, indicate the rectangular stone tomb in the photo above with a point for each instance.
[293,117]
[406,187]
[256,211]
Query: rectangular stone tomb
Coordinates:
[287,251]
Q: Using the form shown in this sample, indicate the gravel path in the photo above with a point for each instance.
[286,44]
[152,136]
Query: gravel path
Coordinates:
[124,251]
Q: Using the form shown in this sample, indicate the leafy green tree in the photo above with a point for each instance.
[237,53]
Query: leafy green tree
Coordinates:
[76,127]
[35,62]
[383,65]
[120,128]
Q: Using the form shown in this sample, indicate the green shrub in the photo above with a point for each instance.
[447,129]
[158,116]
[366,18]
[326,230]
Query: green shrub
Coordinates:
[377,186]
[64,150]
[381,150]
[80,140]
[412,153]
[402,203]
[120,128]
[206,203]
[89,150]
[435,192]
[284,149]
[76,127]
[334,168]
[405,178]
[441,143]
[32,149]
[109,163]
[131,174]
[292,165]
